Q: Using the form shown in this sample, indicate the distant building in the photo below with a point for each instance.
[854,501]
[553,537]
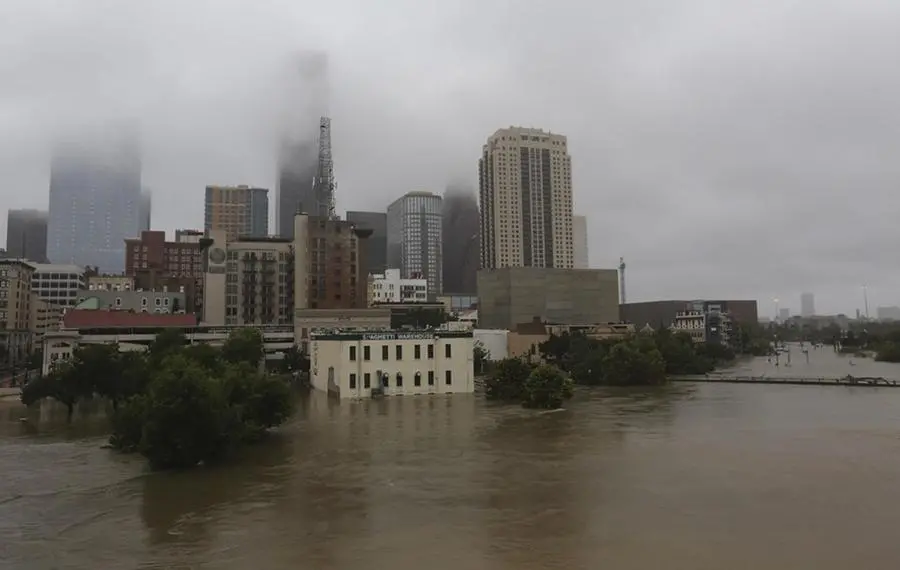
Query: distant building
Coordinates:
[58,284]
[146,209]
[389,287]
[239,211]
[807,305]
[511,296]
[377,244]
[460,251]
[705,322]
[95,200]
[525,179]
[360,364]
[249,282]
[661,314]
[26,235]
[110,283]
[415,238]
[580,242]
[159,302]
[891,313]
[45,317]
[337,270]
[785,314]
[156,264]
[16,302]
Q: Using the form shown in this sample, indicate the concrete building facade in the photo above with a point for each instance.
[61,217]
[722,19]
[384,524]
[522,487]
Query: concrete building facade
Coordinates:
[415,238]
[389,287]
[16,302]
[352,364]
[58,284]
[525,180]
[514,295]
[26,235]
[580,242]
[239,211]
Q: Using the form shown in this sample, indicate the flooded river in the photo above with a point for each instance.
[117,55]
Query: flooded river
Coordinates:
[693,477]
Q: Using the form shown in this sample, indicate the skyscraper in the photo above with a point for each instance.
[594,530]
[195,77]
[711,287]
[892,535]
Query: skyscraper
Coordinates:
[376,251]
[146,208]
[580,242]
[95,200]
[26,235]
[239,211]
[460,250]
[300,186]
[525,178]
[807,305]
[414,238]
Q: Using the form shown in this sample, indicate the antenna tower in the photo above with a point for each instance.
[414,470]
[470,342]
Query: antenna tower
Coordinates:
[324,184]
[622,280]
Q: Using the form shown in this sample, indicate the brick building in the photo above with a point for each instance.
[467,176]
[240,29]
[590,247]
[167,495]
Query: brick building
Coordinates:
[156,264]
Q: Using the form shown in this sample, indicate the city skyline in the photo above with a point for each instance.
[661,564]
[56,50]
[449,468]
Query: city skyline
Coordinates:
[707,138]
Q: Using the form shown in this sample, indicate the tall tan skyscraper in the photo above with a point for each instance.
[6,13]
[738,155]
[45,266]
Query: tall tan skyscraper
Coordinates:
[239,211]
[525,178]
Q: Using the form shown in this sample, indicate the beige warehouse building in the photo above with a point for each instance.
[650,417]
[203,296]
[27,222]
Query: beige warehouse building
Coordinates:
[525,179]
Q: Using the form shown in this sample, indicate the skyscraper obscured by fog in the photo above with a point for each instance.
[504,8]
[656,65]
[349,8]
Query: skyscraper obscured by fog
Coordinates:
[580,242]
[461,251]
[298,161]
[26,235]
[95,200]
[807,305]
[146,209]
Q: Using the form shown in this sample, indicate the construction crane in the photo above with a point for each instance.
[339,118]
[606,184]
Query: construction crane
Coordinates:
[622,280]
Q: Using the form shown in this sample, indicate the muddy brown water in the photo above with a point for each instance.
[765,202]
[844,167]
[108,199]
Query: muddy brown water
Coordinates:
[686,477]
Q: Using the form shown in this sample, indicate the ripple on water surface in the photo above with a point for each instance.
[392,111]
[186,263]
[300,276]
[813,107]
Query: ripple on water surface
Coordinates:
[689,476]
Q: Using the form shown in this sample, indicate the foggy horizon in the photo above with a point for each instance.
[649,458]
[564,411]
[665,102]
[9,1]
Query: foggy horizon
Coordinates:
[725,149]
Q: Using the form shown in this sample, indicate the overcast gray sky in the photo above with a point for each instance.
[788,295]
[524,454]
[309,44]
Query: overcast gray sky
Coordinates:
[726,148]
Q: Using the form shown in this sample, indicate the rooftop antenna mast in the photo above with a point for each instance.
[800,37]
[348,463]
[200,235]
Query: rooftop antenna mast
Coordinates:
[622,280]
[324,184]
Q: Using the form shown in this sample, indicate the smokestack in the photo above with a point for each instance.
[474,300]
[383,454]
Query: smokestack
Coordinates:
[622,280]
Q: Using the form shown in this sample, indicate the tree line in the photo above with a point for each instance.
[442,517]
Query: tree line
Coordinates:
[177,404]
[640,360]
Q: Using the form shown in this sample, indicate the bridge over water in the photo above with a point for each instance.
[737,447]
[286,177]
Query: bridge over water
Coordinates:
[848,380]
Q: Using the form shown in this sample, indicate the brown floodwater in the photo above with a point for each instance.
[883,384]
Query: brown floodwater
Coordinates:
[690,476]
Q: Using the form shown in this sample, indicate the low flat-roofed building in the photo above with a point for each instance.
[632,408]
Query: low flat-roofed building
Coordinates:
[362,364]
[527,337]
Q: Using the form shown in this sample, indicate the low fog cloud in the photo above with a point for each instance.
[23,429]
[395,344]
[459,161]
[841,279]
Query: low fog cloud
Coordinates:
[725,148]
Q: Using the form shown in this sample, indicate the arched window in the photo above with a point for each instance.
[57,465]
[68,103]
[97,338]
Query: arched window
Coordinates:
[417,379]
[399,380]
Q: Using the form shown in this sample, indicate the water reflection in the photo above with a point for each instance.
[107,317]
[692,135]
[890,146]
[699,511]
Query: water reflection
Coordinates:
[688,476]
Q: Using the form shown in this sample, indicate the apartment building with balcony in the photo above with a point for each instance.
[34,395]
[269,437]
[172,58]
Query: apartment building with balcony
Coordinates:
[705,323]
